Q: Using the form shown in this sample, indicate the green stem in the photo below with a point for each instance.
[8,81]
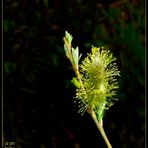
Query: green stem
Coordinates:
[101,129]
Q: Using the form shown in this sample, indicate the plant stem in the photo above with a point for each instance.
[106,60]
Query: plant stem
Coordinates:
[78,76]
[92,113]
[101,129]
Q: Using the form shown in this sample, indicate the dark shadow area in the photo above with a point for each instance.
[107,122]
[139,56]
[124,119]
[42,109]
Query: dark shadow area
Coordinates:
[38,105]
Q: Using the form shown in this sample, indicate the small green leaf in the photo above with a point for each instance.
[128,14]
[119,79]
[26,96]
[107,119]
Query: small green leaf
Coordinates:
[68,37]
[100,111]
[75,82]
[66,50]
[75,55]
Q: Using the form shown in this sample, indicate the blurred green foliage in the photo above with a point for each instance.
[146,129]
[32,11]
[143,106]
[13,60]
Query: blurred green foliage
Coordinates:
[38,105]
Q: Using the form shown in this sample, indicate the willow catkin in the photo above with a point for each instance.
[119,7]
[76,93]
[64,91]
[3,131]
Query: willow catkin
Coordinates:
[98,73]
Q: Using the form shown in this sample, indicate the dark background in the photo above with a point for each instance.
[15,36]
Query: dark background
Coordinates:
[38,107]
